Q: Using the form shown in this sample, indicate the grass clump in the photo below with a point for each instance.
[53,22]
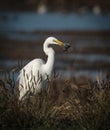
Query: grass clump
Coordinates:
[64,104]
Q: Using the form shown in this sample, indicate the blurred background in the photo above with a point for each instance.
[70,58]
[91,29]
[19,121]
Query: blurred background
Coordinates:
[85,24]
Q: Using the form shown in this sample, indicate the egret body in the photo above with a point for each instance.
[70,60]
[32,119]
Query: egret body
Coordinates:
[32,77]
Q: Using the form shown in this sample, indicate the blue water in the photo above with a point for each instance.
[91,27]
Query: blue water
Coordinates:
[93,74]
[32,21]
[12,24]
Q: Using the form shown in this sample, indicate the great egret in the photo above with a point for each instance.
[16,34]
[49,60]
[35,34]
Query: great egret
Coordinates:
[33,76]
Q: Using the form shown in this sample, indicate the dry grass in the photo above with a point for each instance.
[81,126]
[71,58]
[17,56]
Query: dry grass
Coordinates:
[65,104]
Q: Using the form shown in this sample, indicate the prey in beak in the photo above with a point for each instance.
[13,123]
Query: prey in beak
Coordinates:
[66,46]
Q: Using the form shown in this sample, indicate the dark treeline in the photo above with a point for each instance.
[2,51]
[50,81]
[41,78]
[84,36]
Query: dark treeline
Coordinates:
[57,5]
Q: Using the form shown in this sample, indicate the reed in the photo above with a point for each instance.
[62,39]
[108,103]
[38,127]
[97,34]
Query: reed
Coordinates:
[63,104]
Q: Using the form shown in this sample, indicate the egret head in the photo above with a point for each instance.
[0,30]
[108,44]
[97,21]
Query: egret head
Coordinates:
[53,40]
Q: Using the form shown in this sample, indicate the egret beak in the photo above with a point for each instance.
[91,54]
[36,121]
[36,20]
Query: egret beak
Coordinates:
[66,45]
[59,43]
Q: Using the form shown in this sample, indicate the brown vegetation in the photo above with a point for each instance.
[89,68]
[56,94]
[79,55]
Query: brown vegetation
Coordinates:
[58,5]
[64,104]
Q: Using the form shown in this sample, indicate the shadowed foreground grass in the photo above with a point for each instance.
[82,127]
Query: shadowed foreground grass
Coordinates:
[65,104]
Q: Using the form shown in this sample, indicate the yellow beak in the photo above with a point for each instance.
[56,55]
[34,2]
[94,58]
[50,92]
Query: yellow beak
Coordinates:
[59,43]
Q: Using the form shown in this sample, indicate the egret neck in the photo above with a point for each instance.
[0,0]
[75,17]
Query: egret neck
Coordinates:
[50,59]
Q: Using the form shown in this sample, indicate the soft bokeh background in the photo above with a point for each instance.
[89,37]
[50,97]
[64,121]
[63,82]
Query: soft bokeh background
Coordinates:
[24,25]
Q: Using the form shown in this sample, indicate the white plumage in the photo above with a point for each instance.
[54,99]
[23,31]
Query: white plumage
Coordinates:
[33,76]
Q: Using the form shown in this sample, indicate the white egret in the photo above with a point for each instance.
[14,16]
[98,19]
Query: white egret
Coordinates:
[33,76]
